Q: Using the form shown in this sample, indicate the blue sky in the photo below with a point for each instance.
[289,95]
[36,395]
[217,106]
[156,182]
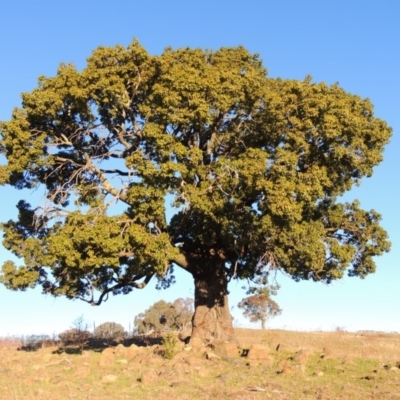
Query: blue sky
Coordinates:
[352,42]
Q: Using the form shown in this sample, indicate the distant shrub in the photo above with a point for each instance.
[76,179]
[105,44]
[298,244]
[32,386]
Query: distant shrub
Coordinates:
[110,331]
[75,337]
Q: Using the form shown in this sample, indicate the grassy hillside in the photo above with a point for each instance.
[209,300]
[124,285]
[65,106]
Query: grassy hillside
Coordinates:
[268,364]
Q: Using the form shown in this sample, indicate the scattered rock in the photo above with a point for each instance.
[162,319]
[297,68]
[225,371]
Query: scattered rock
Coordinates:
[284,368]
[212,356]
[120,349]
[327,353]
[258,352]
[132,351]
[226,349]
[184,336]
[287,370]
[301,357]
[107,358]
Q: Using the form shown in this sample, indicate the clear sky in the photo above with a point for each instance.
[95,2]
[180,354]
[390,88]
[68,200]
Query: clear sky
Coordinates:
[353,42]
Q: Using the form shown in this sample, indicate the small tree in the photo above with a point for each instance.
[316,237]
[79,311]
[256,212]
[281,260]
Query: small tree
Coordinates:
[110,331]
[163,316]
[183,313]
[259,307]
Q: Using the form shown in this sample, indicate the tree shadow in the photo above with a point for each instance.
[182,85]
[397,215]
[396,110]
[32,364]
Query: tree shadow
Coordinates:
[93,344]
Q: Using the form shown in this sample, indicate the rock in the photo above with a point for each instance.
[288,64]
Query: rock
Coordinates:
[287,370]
[301,357]
[122,361]
[107,358]
[120,349]
[226,349]
[327,353]
[212,356]
[108,351]
[258,352]
[132,351]
[148,377]
[109,378]
[184,336]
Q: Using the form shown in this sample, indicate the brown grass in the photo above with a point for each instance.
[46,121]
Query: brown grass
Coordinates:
[332,365]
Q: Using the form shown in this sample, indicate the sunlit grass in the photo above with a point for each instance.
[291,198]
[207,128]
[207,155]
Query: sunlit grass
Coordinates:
[336,365]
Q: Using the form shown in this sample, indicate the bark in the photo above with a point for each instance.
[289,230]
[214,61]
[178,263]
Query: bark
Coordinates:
[263,323]
[212,319]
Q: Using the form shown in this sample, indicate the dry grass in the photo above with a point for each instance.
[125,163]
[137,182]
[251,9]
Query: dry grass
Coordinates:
[336,365]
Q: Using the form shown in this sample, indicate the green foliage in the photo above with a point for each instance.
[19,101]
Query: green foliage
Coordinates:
[164,316]
[254,166]
[169,342]
[259,307]
[110,331]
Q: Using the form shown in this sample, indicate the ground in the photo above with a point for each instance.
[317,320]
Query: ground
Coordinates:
[268,364]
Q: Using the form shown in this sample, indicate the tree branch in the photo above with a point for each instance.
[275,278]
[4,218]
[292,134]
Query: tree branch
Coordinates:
[106,184]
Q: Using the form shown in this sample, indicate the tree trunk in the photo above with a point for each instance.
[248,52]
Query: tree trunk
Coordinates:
[263,323]
[212,319]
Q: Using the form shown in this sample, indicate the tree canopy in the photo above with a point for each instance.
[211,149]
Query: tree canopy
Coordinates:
[252,166]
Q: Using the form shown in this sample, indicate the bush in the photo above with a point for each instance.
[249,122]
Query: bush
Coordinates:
[110,331]
[75,337]
[169,342]
[163,316]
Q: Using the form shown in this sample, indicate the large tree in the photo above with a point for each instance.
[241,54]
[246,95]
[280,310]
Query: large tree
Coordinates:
[252,166]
